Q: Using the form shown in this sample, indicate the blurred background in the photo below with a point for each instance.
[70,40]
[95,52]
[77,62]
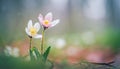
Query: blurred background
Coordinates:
[88,29]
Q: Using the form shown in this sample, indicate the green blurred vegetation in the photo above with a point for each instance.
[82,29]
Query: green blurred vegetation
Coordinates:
[110,38]
[20,63]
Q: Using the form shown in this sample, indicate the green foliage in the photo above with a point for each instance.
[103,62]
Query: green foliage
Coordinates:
[38,55]
[111,38]
[34,53]
[46,53]
[32,57]
[41,59]
[19,63]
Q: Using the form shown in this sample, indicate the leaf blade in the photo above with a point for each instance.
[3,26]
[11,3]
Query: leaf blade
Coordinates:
[46,53]
[32,57]
[36,52]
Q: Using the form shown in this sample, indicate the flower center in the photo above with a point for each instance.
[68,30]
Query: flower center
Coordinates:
[46,22]
[33,31]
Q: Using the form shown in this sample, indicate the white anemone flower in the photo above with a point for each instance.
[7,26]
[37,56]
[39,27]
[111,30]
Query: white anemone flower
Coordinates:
[47,21]
[32,31]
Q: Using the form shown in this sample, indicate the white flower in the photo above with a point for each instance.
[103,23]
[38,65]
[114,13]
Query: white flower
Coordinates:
[57,42]
[9,51]
[60,43]
[33,30]
[47,22]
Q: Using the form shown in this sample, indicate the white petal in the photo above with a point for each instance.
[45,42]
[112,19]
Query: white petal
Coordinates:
[38,36]
[49,16]
[30,24]
[40,18]
[27,31]
[55,22]
[37,26]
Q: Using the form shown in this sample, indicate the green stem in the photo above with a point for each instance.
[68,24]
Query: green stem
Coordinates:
[42,43]
[30,43]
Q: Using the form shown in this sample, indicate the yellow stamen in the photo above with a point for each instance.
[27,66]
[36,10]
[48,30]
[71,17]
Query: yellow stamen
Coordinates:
[33,31]
[46,22]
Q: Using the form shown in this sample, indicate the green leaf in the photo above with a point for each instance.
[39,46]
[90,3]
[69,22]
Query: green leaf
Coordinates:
[46,53]
[32,57]
[37,52]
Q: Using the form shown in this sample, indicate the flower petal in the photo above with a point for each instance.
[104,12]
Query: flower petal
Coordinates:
[40,18]
[37,26]
[49,17]
[55,22]
[30,24]
[27,31]
[38,36]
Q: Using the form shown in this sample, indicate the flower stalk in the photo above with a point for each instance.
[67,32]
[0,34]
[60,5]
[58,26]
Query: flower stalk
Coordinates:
[42,42]
[30,43]
[46,22]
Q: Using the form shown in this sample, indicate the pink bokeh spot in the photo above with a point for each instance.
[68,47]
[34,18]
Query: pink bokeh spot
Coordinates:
[100,56]
[95,57]
[73,54]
